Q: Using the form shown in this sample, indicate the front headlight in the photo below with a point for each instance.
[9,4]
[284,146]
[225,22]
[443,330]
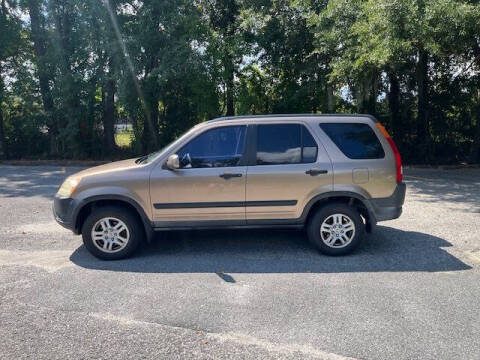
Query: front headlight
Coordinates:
[68,186]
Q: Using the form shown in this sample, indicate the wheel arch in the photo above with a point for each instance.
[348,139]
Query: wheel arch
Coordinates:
[89,204]
[362,205]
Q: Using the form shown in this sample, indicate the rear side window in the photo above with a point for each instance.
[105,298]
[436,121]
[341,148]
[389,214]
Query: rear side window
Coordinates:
[285,144]
[355,140]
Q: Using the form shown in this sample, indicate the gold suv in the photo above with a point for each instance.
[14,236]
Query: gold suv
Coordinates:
[335,175]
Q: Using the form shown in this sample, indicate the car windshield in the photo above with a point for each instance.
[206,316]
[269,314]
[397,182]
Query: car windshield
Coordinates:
[156,154]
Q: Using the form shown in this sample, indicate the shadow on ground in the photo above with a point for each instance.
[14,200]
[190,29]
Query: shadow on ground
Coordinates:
[27,181]
[455,187]
[279,251]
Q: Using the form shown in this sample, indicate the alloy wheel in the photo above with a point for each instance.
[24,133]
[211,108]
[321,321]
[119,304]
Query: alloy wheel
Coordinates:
[337,231]
[110,234]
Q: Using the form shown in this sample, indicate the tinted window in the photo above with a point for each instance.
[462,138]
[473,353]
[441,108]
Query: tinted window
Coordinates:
[285,144]
[309,147]
[356,141]
[218,147]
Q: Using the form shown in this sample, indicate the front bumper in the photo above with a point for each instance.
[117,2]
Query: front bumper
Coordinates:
[389,208]
[62,211]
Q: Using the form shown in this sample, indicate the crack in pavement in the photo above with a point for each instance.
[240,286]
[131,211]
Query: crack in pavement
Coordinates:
[235,338]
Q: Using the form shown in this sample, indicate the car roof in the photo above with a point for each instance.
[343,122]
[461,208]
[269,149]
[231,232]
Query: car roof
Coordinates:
[287,117]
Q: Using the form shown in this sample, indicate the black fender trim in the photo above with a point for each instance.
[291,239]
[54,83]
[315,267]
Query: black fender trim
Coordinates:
[349,194]
[81,205]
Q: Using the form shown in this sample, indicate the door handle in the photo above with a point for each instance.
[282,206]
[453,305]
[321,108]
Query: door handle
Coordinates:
[314,172]
[227,176]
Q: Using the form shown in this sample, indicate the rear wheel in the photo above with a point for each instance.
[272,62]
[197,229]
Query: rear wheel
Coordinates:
[336,229]
[111,233]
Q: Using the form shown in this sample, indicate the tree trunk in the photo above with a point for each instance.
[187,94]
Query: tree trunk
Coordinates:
[423,139]
[229,70]
[153,122]
[3,152]
[109,110]
[330,99]
[475,150]
[367,94]
[394,105]
[359,97]
[150,136]
[150,129]
[38,36]
[90,119]
[372,100]
[3,147]
[72,109]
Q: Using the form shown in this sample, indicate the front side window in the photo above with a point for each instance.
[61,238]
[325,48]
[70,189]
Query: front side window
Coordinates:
[219,147]
[355,140]
[285,144]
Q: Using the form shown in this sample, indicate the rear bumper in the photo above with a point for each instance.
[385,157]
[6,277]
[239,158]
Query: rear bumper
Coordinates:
[389,208]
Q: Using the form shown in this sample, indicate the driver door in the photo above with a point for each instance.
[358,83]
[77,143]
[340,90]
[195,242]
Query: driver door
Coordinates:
[209,186]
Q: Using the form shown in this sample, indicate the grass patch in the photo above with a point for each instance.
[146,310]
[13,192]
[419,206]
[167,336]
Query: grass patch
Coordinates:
[124,138]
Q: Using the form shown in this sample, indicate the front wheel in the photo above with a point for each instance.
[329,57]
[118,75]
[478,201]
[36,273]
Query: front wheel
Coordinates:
[111,233]
[336,229]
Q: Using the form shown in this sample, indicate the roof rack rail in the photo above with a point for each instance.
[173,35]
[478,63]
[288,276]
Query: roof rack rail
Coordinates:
[225,118]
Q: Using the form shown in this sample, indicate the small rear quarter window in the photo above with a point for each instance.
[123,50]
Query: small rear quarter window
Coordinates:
[355,140]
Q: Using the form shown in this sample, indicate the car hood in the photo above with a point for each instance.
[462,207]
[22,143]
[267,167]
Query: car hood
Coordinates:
[113,166]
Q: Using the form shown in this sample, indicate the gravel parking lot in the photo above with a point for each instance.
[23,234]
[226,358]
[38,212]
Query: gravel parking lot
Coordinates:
[411,291]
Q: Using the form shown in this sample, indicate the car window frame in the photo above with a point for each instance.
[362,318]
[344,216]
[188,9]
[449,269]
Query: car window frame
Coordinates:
[252,137]
[243,158]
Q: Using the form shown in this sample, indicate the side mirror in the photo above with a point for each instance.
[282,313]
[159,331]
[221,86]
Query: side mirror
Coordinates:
[173,163]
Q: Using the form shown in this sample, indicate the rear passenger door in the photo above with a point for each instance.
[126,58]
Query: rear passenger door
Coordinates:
[287,167]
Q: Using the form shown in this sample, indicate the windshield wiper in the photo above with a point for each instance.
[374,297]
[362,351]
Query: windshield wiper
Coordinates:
[141,159]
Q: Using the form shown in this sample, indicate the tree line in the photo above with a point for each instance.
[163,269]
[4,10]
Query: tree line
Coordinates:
[72,69]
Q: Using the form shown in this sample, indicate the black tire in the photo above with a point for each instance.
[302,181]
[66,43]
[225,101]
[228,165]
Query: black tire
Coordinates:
[313,228]
[127,217]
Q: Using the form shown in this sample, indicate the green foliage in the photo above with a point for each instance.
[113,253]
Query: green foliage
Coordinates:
[70,70]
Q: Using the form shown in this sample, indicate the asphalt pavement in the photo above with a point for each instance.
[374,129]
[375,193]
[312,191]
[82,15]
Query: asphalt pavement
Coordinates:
[410,291]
